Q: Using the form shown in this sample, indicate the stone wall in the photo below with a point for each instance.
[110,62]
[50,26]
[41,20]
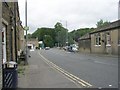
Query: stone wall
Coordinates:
[104,48]
[33,41]
[0,45]
[85,45]
[6,17]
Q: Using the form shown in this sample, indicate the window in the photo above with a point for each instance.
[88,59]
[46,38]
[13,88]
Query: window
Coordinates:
[108,38]
[118,37]
[97,39]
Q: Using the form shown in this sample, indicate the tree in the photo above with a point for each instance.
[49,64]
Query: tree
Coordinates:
[48,41]
[58,26]
[41,32]
[76,34]
[70,39]
[28,36]
[101,23]
[60,34]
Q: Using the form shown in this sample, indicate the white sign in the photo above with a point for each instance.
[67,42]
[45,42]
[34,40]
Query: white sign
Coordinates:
[26,28]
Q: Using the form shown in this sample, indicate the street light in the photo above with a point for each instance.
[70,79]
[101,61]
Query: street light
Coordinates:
[26,28]
[66,34]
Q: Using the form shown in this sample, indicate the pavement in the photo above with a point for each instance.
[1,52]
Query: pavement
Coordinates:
[38,74]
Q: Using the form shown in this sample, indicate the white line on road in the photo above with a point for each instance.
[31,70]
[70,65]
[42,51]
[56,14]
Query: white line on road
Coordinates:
[67,74]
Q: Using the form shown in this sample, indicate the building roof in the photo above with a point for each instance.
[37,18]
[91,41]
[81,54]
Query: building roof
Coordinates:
[111,26]
[86,36]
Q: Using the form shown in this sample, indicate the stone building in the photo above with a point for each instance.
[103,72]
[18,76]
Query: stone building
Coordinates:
[11,27]
[104,40]
[85,43]
[0,46]
[21,37]
[32,43]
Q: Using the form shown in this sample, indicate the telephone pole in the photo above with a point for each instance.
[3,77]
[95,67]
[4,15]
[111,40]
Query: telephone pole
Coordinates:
[26,25]
[26,29]
[66,34]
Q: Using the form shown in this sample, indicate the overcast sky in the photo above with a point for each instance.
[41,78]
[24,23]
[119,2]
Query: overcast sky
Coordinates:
[77,13]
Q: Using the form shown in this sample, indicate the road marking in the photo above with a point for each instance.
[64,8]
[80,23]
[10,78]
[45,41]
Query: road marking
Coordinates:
[67,74]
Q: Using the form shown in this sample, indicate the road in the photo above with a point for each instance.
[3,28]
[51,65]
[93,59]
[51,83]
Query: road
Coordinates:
[97,70]
[38,74]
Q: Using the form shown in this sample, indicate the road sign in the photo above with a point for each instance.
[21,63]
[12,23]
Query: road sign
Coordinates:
[26,28]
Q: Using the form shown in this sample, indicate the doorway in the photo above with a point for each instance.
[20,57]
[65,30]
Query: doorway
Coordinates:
[4,44]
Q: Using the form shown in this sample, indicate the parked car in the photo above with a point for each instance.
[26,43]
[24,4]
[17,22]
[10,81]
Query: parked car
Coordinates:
[47,48]
[74,49]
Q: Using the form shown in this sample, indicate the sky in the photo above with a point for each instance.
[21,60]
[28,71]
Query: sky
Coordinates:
[73,14]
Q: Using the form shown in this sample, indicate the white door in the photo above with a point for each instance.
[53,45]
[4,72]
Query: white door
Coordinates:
[4,44]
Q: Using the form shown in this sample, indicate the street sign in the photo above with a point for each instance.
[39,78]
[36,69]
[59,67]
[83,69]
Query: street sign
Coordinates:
[26,28]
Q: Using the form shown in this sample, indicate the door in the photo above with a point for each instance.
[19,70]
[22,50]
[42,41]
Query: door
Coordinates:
[4,44]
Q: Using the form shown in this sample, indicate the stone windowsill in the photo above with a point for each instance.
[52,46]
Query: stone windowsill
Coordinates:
[97,45]
[108,45]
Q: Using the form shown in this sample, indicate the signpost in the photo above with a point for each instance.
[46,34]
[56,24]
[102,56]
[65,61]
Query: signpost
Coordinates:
[26,28]
[0,45]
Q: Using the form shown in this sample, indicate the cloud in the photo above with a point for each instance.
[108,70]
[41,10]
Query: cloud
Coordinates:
[78,13]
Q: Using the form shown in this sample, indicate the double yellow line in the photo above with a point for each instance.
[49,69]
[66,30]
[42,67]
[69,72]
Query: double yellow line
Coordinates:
[72,77]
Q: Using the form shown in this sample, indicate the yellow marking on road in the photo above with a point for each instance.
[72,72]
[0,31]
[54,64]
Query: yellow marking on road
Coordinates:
[67,74]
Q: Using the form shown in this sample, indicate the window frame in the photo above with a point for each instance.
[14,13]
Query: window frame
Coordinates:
[98,39]
[108,39]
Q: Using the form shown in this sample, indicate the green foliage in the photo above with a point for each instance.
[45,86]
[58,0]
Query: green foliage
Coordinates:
[45,34]
[102,23]
[70,39]
[28,36]
[48,41]
[58,26]
[41,32]
[61,34]
[76,34]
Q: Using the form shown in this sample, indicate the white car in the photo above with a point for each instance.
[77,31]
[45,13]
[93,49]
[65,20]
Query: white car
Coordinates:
[47,48]
[74,49]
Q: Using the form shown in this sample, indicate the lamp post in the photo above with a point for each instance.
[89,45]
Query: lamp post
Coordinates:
[26,28]
[66,35]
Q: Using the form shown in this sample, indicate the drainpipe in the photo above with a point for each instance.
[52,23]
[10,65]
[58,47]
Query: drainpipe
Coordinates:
[15,31]
[11,39]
